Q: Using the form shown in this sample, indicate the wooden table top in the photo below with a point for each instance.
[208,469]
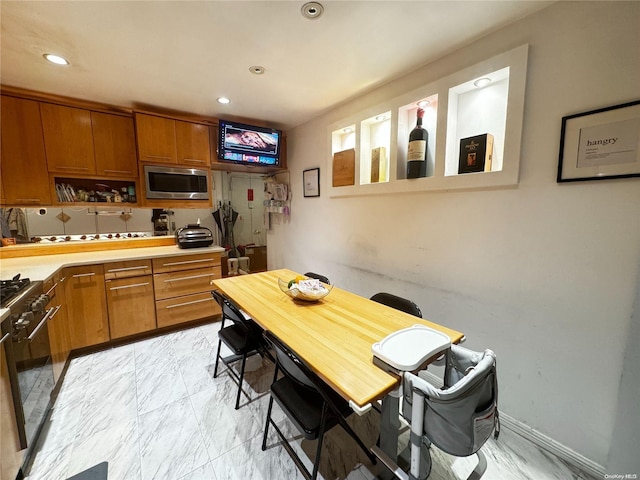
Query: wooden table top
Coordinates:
[334,335]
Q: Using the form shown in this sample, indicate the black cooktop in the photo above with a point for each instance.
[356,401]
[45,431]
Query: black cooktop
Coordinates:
[10,288]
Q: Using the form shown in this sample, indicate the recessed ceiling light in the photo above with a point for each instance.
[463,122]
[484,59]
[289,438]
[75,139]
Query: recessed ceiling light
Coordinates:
[257,70]
[482,82]
[347,130]
[381,118]
[423,103]
[57,59]
[312,10]
[223,100]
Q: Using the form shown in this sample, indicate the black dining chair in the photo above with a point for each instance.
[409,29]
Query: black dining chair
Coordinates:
[312,406]
[243,337]
[322,278]
[398,303]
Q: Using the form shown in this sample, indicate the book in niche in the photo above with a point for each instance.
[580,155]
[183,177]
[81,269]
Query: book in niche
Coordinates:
[476,154]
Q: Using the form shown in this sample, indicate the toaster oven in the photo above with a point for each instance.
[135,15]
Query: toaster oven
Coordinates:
[193,236]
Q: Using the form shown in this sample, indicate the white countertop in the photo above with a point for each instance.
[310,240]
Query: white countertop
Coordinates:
[43,267]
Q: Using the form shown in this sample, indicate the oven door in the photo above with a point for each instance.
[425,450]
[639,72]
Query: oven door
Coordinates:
[34,369]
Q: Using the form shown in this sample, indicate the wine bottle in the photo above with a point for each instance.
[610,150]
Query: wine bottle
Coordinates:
[417,153]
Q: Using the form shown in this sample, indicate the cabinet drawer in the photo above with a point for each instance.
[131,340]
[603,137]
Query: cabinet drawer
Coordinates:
[185,262]
[131,268]
[185,309]
[131,306]
[167,285]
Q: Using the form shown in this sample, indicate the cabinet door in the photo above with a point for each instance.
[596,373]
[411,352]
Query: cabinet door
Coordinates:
[129,268]
[10,451]
[68,139]
[58,324]
[193,143]
[131,306]
[156,139]
[188,308]
[25,179]
[85,295]
[114,144]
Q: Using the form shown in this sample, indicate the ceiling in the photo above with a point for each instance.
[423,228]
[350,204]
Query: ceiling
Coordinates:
[183,55]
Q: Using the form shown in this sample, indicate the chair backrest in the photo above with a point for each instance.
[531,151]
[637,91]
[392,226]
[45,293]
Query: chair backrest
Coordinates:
[398,303]
[322,278]
[232,312]
[459,418]
[289,362]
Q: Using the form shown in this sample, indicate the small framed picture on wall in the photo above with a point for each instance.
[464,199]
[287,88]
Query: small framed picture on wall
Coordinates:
[311,182]
[601,144]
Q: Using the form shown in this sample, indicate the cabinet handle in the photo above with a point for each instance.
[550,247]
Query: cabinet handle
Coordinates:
[187,262]
[52,288]
[124,269]
[62,167]
[133,285]
[77,275]
[194,160]
[28,200]
[50,314]
[118,171]
[4,338]
[159,156]
[189,303]
[189,278]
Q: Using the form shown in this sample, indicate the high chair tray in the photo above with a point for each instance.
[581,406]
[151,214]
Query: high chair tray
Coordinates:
[407,349]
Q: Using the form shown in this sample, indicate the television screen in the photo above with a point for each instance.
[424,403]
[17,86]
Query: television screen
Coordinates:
[248,144]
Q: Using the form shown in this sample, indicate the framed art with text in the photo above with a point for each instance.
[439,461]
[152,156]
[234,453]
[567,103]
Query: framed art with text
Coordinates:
[311,182]
[600,144]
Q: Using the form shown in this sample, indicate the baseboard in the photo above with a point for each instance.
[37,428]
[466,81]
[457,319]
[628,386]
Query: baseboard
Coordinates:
[537,438]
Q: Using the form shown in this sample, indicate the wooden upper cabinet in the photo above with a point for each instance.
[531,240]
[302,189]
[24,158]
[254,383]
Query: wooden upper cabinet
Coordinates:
[68,139]
[193,145]
[156,139]
[114,145]
[24,164]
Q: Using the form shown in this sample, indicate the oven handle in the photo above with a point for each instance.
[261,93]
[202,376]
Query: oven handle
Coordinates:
[49,315]
[4,338]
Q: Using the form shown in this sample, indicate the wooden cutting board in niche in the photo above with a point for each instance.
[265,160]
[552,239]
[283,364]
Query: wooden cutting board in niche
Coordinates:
[344,168]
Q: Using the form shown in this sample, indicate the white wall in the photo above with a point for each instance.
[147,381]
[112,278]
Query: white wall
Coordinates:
[544,274]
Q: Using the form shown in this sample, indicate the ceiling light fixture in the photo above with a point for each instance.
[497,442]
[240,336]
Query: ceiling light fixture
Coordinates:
[257,70]
[381,118]
[224,100]
[423,103]
[482,82]
[312,10]
[347,130]
[57,59]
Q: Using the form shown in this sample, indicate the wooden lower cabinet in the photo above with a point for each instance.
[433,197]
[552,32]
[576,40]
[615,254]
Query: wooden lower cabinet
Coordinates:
[168,285]
[85,294]
[10,452]
[131,306]
[59,338]
[182,286]
[174,311]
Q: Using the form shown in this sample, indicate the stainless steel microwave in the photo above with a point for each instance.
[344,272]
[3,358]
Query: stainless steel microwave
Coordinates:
[176,183]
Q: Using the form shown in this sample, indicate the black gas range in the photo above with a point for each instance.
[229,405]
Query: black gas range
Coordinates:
[10,289]
[28,353]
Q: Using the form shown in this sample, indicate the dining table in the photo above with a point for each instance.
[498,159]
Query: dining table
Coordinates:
[334,336]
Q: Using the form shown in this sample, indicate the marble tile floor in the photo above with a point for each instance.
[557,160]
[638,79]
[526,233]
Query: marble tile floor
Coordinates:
[153,410]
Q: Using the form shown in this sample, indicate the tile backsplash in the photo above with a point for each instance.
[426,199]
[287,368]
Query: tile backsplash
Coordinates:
[46,222]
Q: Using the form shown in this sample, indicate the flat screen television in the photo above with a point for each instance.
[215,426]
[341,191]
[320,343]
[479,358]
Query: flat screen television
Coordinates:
[248,144]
